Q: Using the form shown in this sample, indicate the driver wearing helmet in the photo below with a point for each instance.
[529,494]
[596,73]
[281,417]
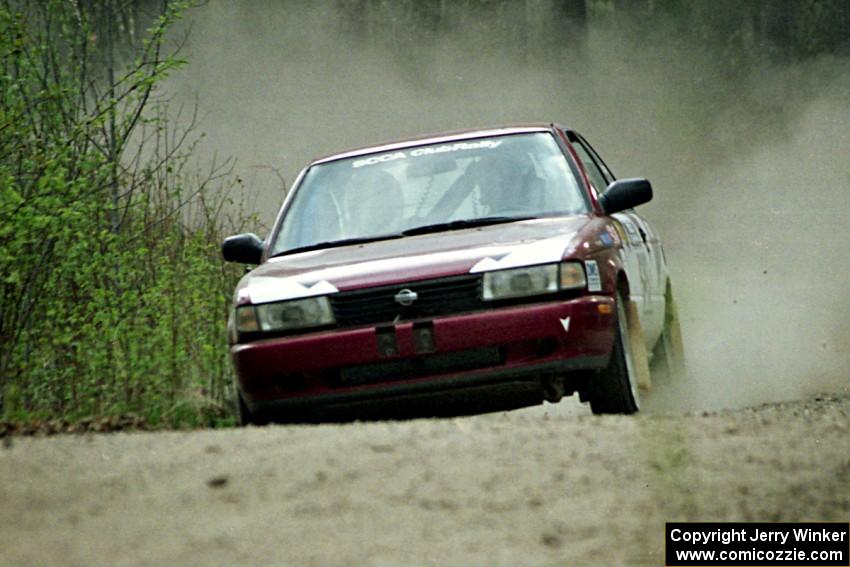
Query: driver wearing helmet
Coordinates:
[506,183]
[377,193]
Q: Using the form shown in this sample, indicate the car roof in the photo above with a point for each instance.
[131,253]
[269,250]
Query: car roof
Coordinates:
[452,136]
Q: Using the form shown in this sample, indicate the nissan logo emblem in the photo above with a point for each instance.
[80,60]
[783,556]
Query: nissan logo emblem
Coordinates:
[406,297]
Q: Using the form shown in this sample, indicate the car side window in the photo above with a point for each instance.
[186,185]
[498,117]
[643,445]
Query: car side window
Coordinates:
[597,178]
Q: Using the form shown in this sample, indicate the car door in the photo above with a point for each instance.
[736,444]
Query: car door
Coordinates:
[656,274]
[643,258]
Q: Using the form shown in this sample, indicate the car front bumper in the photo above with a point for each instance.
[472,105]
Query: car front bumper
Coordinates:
[505,349]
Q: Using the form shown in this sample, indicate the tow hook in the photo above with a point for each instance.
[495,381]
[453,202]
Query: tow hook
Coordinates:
[553,389]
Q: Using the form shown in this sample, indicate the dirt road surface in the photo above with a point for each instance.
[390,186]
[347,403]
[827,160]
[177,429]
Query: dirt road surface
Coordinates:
[550,485]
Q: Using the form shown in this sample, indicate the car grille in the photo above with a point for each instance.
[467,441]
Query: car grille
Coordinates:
[376,305]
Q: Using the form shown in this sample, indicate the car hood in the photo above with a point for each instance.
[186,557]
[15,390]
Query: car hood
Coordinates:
[401,260]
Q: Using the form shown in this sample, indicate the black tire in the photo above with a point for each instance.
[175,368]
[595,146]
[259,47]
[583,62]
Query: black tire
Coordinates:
[245,416]
[614,390]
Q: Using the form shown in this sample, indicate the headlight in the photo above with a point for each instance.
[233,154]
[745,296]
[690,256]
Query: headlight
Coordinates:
[246,319]
[285,315]
[571,276]
[532,280]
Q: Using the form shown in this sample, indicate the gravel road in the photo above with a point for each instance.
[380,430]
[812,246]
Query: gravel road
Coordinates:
[549,485]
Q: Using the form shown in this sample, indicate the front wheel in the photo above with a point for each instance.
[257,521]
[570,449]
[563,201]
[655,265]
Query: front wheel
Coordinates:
[615,389]
[245,416]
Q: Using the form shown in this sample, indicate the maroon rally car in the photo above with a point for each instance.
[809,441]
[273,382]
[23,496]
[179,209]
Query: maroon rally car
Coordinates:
[464,272]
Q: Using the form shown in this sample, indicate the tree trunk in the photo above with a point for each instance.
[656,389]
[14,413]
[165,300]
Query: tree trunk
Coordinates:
[573,14]
[554,28]
[775,29]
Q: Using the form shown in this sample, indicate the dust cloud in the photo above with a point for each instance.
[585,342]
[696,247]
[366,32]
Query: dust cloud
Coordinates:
[751,174]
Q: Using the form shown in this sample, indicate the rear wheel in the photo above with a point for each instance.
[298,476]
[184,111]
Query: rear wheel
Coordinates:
[615,389]
[668,357]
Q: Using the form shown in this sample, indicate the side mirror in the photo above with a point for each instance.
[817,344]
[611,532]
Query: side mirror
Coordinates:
[625,194]
[242,248]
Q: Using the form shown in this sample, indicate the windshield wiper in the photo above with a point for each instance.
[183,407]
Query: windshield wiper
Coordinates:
[461,224]
[336,243]
[438,227]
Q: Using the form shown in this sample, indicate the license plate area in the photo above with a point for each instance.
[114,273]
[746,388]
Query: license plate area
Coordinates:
[442,363]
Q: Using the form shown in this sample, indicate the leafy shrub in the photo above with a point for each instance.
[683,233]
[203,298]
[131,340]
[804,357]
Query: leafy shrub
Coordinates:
[113,296]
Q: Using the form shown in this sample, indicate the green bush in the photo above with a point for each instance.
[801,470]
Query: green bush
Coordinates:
[113,296]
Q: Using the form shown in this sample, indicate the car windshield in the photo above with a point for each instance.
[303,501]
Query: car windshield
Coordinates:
[429,188]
